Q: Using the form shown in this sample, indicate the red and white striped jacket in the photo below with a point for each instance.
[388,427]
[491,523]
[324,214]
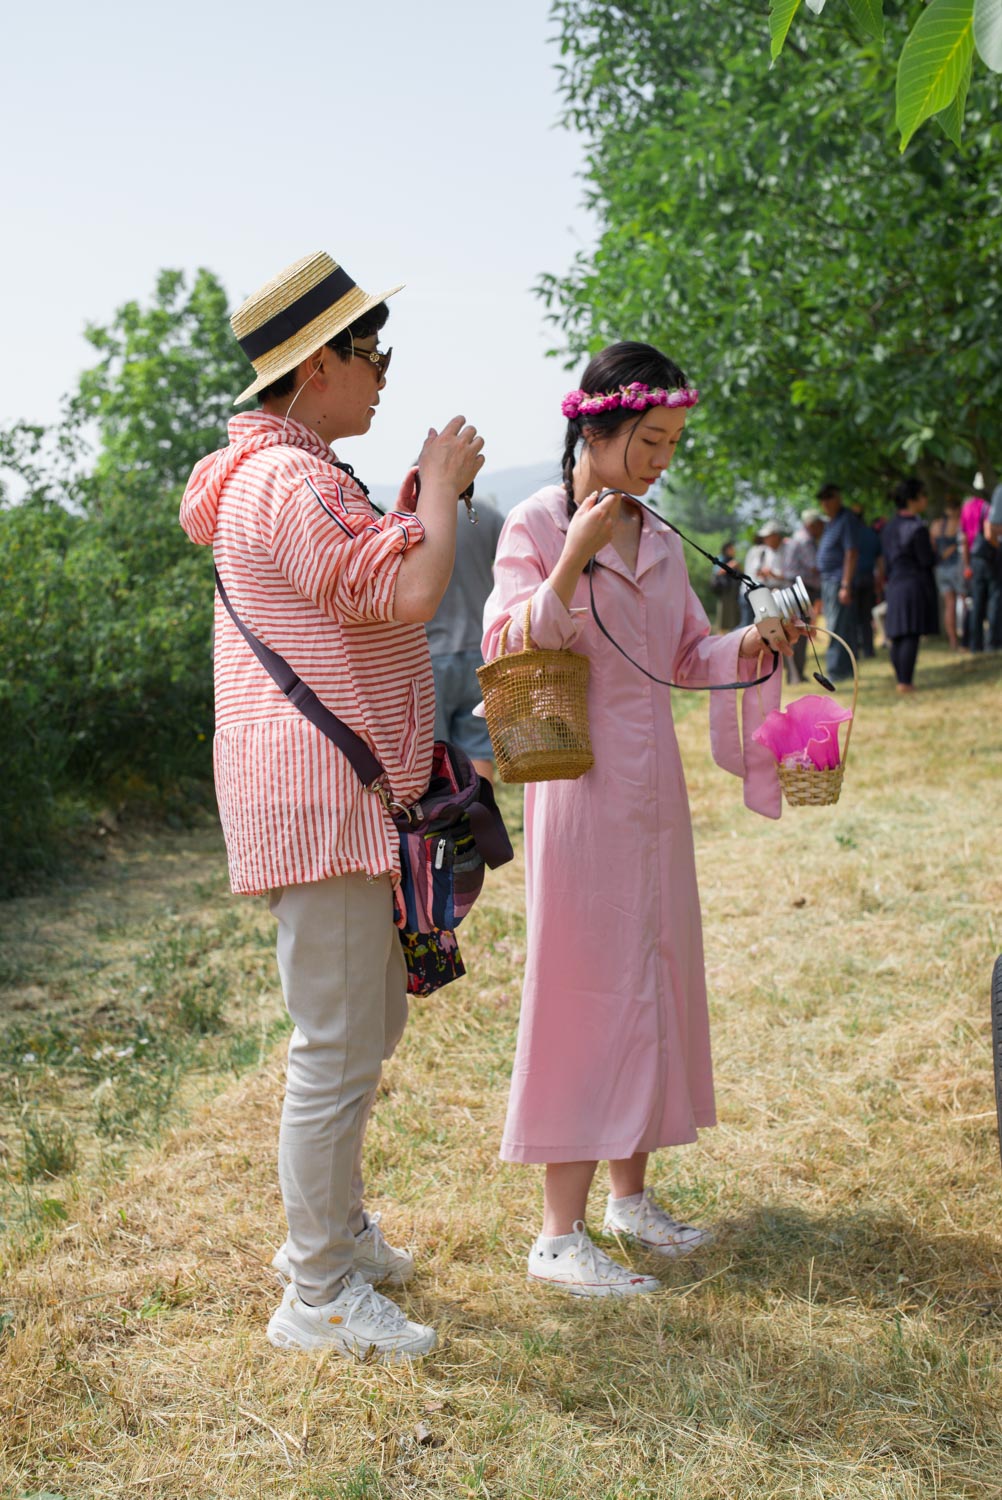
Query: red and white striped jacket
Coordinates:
[311,568]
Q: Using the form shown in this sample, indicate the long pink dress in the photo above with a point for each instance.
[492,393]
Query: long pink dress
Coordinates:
[613,1052]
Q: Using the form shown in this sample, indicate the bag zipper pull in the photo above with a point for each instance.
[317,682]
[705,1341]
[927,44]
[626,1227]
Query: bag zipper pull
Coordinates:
[440,854]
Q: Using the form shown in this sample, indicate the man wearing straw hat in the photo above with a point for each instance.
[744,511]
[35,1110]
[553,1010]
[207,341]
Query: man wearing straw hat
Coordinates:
[342,594]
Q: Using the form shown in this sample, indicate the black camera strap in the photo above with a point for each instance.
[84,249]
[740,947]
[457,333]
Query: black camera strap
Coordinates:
[685,687]
[714,687]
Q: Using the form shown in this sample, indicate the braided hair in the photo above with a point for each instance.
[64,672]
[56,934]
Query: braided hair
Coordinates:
[615,366]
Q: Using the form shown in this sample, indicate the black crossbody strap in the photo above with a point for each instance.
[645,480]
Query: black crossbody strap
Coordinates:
[352,746]
[713,687]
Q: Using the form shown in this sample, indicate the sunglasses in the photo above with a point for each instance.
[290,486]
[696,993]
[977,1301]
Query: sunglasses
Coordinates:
[375,357]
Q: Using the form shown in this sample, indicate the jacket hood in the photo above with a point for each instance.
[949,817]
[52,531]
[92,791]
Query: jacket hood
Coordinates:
[249,433]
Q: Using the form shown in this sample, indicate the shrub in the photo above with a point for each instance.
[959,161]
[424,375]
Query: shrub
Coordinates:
[105,606]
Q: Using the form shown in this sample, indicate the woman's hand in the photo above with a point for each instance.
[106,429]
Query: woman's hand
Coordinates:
[753,646]
[591,528]
[589,531]
[451,459]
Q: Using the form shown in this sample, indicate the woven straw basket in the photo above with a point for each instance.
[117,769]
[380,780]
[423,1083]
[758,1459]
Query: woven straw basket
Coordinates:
[810,786]
[536,703]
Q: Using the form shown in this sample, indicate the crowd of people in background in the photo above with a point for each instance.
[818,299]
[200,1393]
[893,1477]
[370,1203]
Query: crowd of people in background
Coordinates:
[896,575]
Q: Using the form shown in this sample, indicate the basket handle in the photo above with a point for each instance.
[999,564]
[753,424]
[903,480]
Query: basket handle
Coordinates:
[526,637]
[820,629]
[855,685]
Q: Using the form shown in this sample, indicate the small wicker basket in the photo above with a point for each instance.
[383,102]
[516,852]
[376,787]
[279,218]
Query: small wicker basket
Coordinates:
[536,703]
[812,786]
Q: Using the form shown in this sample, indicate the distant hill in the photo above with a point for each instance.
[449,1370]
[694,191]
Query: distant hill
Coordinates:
[506,487]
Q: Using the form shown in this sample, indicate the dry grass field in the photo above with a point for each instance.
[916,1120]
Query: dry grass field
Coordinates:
[843,1337]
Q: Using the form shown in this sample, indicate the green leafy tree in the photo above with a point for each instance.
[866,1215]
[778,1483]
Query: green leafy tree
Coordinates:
[40,619]
[162,390]
[157,400]
[105,606]
[836,302]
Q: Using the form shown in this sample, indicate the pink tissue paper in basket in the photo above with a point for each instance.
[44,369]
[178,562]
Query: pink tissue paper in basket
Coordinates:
[806,733]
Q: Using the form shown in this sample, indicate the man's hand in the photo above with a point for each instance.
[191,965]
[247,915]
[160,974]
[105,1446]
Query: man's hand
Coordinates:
[451,459]
[408,493]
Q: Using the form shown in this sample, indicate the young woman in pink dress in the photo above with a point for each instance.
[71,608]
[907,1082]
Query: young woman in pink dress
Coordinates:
[613,1052]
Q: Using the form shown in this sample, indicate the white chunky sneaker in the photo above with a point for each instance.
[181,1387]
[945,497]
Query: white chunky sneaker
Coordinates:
[646,1222]
[581,1269]
[359,1322]
[376,1260]
[379,1261]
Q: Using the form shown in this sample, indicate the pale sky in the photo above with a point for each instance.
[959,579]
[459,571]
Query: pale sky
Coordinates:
[415,143]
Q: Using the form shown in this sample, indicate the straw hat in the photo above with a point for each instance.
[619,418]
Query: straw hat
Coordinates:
[295,314]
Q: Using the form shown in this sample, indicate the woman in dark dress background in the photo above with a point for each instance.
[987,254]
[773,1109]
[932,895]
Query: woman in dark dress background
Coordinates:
[910,589]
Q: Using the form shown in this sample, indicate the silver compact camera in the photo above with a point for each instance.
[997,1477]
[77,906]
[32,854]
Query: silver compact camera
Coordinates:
[773,608]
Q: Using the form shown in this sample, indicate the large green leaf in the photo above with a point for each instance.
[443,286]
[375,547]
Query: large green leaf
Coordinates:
[952,117]
[781,14]
[988,32]
[870,15]
[933,62]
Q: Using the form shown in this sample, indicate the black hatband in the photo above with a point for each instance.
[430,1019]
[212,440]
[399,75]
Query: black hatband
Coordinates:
[292,319]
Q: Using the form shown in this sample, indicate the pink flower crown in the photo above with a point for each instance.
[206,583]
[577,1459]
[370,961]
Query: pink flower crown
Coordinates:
[635,397]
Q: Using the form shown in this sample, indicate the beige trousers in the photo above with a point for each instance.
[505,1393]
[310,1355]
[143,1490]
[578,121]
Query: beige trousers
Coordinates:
[345,986]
